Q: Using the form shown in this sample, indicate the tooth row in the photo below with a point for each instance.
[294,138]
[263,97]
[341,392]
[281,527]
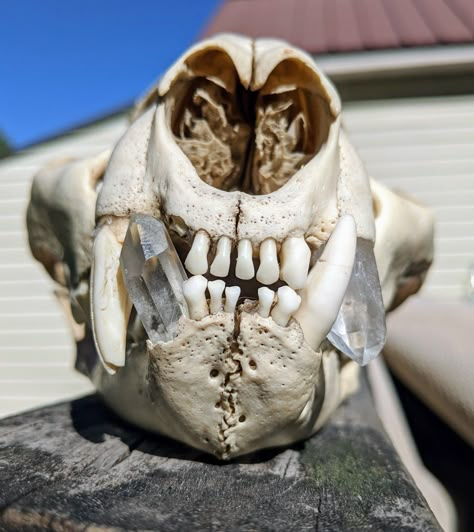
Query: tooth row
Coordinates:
[287,303]
[294,257]
[315,308]
[194,291]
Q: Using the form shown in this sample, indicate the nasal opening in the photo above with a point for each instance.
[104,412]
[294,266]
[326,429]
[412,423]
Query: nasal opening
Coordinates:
[251,141]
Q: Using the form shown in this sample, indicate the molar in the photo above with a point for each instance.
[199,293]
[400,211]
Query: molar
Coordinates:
[221,263]
[287,304]
[295,257]
[244,268]
[268,271]
[194,291]
[196,261]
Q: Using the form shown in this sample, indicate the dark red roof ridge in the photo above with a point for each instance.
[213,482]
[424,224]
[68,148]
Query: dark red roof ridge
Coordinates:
[337,26]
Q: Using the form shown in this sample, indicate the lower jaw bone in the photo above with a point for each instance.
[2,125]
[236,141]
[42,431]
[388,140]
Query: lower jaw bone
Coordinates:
[359,329]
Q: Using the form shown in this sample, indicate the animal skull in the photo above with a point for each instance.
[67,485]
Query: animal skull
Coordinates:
[239,152]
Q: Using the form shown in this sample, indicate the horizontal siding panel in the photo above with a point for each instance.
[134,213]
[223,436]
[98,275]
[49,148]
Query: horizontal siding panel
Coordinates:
[11,289]
[50,388]
[18,272]
[47,355]
[33,337]
[448,277]
[461,261]
[458,229]
[20,302]
[13,206]
[11,372]
[425,148]
[36,348]
[408,169]
[446,112]
[15,321]
[17,191]
[445,292]
[12,239]
[424,184]
[393,120]
[448,198]
[455,244]
[449,213]
[16,255]
[431,154]
[461,135]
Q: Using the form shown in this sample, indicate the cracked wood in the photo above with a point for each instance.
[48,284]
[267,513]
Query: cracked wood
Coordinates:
[75,465]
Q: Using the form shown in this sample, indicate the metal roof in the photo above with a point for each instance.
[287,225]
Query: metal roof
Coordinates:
[332,26]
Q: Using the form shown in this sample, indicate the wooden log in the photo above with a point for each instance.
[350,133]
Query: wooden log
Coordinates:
[76,466]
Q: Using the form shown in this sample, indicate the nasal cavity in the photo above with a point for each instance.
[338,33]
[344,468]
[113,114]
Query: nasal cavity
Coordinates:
[249,141]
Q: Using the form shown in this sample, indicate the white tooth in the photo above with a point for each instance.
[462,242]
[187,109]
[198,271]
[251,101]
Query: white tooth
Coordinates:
[110,304]
[232,294]
[216,289]
[268,271]
[244,267]
[265,301]
[287,304]
[196,261]
[327,283]
[194,291]
[221,263]
[295,256]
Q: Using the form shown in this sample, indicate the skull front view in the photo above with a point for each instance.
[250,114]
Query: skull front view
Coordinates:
[232,278]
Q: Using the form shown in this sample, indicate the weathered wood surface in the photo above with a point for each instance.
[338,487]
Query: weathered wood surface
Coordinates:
[75,466]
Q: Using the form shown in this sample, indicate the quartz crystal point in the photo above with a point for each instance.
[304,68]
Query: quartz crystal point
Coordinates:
[359,329]
[154,276]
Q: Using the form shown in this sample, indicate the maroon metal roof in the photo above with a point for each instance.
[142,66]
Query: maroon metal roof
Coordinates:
[322,26]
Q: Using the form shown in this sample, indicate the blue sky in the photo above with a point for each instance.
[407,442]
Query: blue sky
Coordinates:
[63,62]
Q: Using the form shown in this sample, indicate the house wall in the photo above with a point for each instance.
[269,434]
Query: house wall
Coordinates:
[36,347]
[424,147]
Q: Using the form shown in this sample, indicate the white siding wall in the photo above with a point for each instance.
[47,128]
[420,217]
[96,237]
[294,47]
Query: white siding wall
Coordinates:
[423,146]
[36,348]
[426,148]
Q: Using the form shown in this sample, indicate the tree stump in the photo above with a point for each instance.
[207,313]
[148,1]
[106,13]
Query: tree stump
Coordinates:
[76,466]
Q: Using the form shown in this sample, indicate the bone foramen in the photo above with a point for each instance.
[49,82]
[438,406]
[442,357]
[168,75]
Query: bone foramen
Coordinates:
[236,168]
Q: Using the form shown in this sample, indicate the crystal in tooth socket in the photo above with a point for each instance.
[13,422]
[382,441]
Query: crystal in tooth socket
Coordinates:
[154,276]
[359,329]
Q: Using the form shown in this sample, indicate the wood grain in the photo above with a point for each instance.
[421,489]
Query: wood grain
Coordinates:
[75,466]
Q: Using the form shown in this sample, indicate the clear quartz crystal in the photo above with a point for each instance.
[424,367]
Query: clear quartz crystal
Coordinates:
[154,276]
[359,329]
